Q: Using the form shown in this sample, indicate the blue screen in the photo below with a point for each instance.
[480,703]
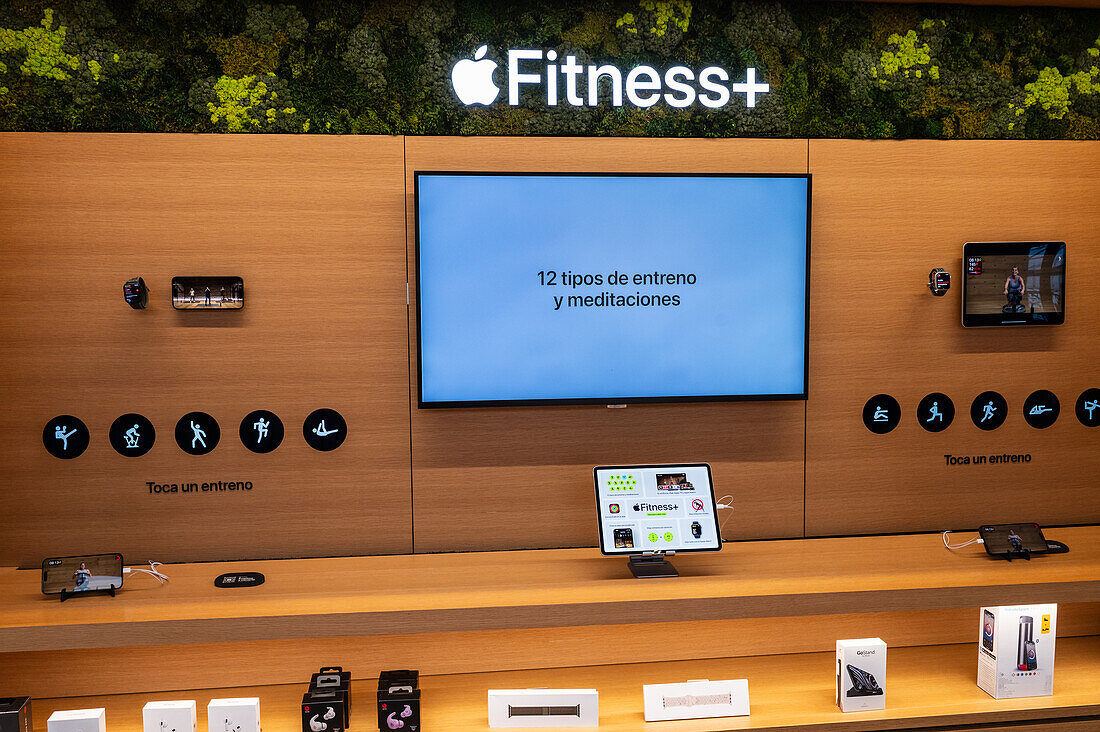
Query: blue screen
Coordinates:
[610,288]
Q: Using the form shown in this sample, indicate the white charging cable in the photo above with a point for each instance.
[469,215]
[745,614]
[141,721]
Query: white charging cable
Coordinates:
[725,502]
[953,547]
[152,571]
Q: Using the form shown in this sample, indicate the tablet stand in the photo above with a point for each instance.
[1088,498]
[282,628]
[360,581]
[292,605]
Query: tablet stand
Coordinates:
[652,564]
[66,595]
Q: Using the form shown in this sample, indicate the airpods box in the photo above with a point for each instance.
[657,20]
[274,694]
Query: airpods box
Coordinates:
[233,715]
[169,716]
[78,720]
[861,674]
[1016,650]
[15,714]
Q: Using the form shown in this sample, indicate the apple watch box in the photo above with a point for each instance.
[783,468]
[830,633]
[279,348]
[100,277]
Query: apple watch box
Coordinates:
[399,701]
[233,715]
[15,714]
[544,708]
[170,716]
[861,674]
[78,720]
[1016,650]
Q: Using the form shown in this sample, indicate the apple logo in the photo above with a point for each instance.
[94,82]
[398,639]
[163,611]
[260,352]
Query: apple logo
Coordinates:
[473,79]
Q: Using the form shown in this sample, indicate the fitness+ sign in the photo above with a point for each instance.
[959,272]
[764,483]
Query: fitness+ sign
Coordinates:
[578,85]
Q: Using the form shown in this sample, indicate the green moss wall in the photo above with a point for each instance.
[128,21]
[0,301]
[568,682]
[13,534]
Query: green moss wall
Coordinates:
[854,70]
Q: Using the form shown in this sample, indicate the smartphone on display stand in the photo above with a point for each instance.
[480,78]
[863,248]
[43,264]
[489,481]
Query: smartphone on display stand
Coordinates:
[84,573]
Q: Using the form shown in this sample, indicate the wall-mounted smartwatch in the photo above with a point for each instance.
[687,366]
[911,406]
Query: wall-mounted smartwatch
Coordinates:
[136,293]
[939,281]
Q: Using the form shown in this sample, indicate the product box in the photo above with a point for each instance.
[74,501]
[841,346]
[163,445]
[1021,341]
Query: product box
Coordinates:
[333,679]
[861,674]
[169,716]
[15,714]
[233,715]
[544,708]
[1016,650]
[696,700]
[78,720]
[399,701]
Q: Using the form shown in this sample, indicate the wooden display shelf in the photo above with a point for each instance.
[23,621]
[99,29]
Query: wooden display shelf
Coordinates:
[930,687]
[427,593]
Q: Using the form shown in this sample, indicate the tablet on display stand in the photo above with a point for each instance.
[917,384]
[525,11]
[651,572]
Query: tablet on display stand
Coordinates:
[650,512]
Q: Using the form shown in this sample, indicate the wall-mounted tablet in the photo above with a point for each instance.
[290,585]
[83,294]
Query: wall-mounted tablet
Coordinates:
[656,508]
[1014,283]
[601,288]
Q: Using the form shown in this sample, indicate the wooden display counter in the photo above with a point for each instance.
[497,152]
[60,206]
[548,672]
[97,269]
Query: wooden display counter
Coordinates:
[926,688]
[392,595]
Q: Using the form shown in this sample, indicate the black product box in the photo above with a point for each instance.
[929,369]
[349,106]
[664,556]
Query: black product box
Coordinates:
[333,679]
[15,714]
[399,701]
[324,711]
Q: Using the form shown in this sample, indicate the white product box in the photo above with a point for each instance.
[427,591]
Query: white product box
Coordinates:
[1016,650]
[544,708]
[696,700]
[78,720]
[169,716]
[861,674]
[233,715]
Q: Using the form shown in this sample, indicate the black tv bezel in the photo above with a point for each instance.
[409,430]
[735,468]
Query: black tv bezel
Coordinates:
[1001,248]
[629,552]
[603,401]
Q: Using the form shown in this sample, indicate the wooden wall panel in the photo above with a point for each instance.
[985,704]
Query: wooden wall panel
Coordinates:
[885,213]
[538,461]
[206,665]
[315,226]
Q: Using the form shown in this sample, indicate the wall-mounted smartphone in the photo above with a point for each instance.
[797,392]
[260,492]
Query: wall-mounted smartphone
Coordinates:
[81,574]
[207,293]
[987,631]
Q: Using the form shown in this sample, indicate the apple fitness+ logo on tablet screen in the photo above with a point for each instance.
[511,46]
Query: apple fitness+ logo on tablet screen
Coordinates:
[643,86]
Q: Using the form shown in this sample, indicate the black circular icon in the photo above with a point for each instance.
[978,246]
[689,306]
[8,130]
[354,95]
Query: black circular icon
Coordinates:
[65,437]
[325,429]
[881,413]
[1041,409]
[1088,407]
[989,410]
[935,412]
[197,433]
[132,435]
[261,431]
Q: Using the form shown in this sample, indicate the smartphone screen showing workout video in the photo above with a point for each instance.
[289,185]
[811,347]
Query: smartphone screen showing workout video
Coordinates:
[81,574]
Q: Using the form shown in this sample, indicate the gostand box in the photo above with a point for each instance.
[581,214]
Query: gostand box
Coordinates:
[861,674]
[1016,650]
[15,714]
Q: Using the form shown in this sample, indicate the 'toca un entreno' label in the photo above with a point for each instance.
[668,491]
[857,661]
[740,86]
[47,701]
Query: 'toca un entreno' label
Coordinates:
[578,85]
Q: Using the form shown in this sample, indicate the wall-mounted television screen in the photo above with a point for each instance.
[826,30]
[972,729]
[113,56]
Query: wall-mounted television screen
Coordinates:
[586,288]
[1014,283]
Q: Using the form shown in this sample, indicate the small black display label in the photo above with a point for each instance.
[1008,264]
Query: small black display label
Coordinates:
[239,579]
